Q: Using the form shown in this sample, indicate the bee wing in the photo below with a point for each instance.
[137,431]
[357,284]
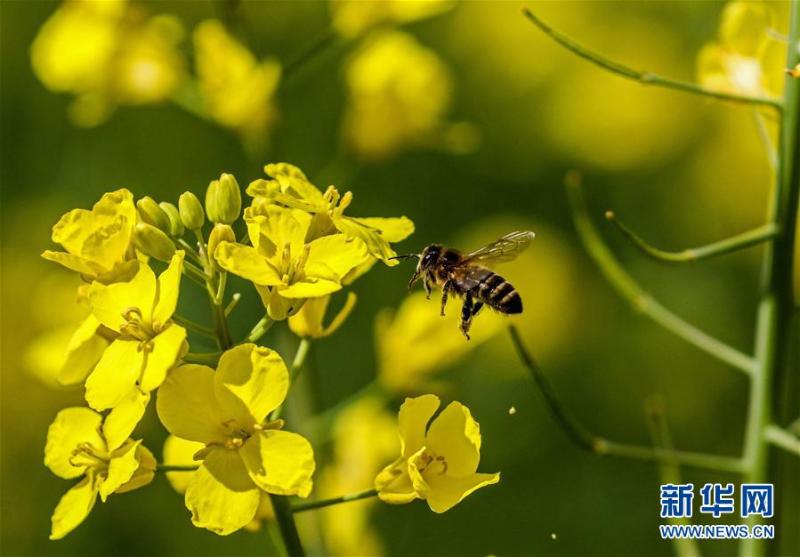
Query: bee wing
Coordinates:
[503,249]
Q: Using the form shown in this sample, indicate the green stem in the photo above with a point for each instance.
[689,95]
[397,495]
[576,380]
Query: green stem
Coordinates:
[763,135]
[640,300]
[260,329]
[783,439]
[176,467]
[773,323]
[311,505]
[327,39]
[232,304]
[185,246]
[283,516]
[646,78]
[587,440]
[294,371]
[734,243]
[192,326]
[202,357]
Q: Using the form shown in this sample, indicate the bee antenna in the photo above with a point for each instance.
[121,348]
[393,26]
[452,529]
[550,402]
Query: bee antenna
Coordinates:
[408,256]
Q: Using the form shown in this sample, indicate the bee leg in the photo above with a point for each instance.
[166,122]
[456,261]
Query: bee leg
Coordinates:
[427,284]
[476,308]
[414,279]
[445,292]
[466,314]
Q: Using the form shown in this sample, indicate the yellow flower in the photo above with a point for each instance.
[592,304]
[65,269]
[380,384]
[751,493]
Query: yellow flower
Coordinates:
[243,454]
[307,323]
[97,242]
[364,437]
[415,341]
[289,186]
[744,59]
[106,53]
[353,17]
[148,346]
[77,448]
[181,452]
[437,463]
[398,94]
[285,269]
[237,90]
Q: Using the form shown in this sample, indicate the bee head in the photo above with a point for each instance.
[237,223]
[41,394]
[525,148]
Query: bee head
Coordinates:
[429,256]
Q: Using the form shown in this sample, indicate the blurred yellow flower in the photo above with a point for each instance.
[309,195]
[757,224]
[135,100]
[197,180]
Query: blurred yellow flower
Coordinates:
[415,342]
[437,463]
[98,242]
[181,452]
[744,59]
[364,437]
[285,269]
[353,17]
[107,53]
[76,447]
[148,346]
[237,90]
[398,94]
[307,323]
[289,186]
[243,454]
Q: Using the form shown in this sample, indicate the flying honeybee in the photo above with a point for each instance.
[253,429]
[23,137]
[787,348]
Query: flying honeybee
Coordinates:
[466,275]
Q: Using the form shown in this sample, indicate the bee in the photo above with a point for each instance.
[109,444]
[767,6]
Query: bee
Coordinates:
[467,275]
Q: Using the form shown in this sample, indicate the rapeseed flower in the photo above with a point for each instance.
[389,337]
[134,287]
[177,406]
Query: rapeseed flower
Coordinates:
[148,346]
[307,323]
[353,17]
[78,448]
[98,242]
[244,454]
[288,186]
[743,59]
[237,89]
[285,268]
[438,463]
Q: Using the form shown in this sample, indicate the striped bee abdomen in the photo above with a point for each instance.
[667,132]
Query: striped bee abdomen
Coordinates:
[497,293]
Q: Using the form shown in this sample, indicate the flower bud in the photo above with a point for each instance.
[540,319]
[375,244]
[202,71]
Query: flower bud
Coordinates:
[191,211]
[151,213]
[223,200]
[175,224]
[220,233]
[153,242]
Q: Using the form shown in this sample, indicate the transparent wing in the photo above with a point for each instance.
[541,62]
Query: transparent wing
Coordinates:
[503,249]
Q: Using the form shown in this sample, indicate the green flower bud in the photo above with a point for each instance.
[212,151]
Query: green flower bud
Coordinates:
[191,211]
[151,213]
[153,242]
[175,224]
[223,200]
[220,233]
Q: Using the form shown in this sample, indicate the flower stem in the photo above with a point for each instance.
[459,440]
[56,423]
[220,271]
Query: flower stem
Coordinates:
[294,371]
[283,516]
[326,40]
[734,243]
[192,326]
[202,357]
[260,329]
[176,467]
[783,439]
[311,505]
[645,78]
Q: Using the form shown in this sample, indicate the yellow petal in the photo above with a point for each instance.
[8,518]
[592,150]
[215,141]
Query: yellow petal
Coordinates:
[280,462]
[166,349]
[251,381]
[273,227]
[246,262]
[376,244]
[220,495]
[744,25]
[121,467]
[71,427]
[391,229]
[309,288]
[415,413]
[143,474]
[456,436]
[187,407]
[336,253]
[115,374]
[124,417]
[308,322]
[394,484]
[180,452]
[110,303]
[169,283]
[71,262]
[73,508]
[84,350]
[446,490]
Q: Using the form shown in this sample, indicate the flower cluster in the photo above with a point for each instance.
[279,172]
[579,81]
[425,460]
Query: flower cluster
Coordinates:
[229,452]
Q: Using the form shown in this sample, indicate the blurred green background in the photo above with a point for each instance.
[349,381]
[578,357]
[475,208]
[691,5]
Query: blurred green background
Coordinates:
[682,170]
